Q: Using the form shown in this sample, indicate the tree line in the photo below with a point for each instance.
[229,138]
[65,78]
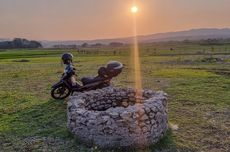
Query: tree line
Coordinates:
[86,45]
[19,43]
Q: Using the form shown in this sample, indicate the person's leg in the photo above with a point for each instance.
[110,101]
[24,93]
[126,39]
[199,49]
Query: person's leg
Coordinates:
[73,81]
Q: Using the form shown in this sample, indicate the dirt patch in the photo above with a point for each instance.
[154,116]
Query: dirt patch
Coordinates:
[22,60]
[212,60]
[220,72]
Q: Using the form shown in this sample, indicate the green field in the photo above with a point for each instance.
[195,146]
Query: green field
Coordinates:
[196,78]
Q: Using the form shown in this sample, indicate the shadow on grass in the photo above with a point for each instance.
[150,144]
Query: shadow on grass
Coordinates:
[165,144]
[45,119]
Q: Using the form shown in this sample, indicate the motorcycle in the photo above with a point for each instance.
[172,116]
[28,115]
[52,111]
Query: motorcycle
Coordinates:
[64,87]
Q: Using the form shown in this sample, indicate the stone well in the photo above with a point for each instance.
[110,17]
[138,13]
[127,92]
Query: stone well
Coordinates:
[114,117]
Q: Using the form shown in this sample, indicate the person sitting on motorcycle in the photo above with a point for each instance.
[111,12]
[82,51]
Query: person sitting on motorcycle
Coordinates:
[69,71]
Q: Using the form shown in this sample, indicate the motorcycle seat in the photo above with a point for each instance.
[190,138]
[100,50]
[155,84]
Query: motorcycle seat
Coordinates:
[88,80]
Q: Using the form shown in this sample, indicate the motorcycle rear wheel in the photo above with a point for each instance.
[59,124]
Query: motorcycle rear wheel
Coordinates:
[103,85]
[60,92]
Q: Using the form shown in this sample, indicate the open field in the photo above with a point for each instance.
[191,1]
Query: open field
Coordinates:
[196,78]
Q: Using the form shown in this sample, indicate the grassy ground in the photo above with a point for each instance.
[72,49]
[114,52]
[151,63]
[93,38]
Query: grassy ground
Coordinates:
[198,89]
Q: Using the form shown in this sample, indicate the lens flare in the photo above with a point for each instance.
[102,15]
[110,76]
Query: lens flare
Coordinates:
[137,65]
[136,58]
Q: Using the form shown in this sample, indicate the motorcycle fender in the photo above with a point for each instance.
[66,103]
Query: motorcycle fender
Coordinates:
[57,84]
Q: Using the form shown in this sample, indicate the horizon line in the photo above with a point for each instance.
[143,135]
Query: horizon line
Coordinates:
[111,38]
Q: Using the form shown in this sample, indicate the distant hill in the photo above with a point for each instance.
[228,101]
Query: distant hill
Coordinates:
[194,34]
[4,39]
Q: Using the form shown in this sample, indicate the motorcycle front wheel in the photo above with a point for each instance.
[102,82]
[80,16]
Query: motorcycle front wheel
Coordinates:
[60,92]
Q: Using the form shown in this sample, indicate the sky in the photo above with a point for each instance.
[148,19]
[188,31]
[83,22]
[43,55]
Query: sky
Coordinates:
[102,19]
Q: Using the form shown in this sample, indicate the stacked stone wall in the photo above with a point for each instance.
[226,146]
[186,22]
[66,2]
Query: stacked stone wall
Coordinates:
[112,117]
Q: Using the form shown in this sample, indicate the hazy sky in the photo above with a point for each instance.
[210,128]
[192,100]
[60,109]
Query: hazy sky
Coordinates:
[95,19]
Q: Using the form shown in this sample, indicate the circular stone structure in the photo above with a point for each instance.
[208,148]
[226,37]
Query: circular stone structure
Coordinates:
[115,117]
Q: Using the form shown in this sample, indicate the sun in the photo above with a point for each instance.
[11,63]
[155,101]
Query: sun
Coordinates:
[134,9]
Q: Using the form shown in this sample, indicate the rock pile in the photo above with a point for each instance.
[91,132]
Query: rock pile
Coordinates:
[112,117]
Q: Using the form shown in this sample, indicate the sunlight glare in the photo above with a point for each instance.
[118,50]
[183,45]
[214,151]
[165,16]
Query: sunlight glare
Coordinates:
[134,9]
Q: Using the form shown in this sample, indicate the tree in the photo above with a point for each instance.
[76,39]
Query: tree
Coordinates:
[97,45]
[85,45]
[115,44]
